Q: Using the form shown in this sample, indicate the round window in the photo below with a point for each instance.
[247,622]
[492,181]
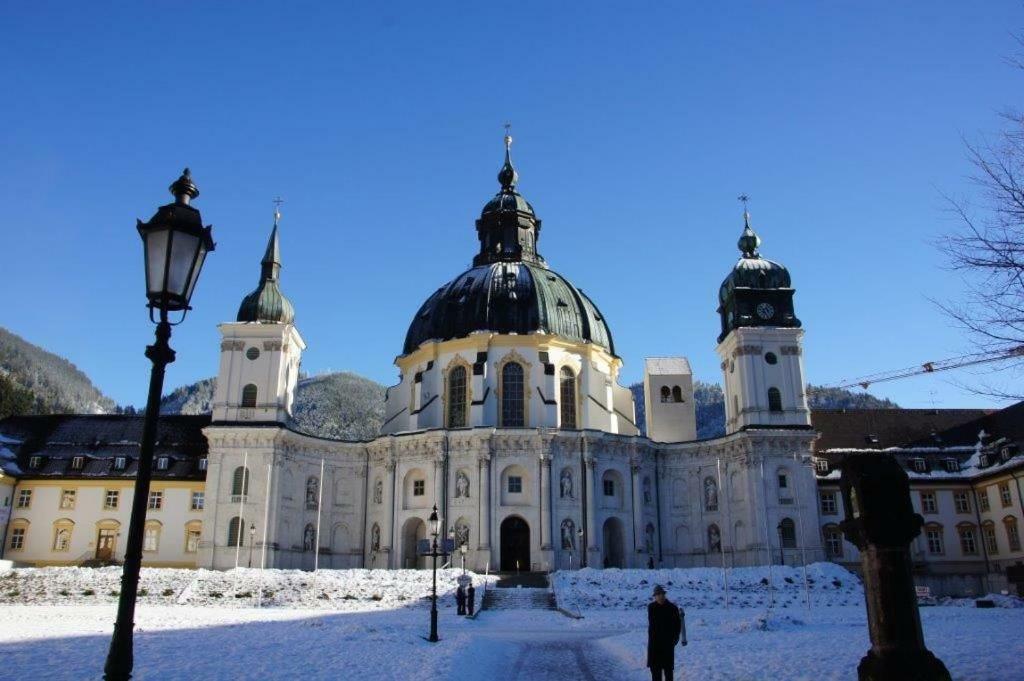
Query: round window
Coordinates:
[771,358]
[252,353]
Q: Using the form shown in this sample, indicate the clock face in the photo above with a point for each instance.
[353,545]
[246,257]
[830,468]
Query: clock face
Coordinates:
[765,310]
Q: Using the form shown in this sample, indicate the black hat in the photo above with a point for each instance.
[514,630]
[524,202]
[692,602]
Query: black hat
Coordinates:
[658,589]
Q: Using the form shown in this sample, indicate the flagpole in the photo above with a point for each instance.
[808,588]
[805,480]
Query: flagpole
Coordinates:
[767,540]
[263,552]
[803,542]
[319,514]
[721,541]
[241,506]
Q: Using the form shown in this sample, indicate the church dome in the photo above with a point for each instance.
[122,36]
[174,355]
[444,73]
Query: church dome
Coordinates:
[509,289]
[751,270]
[267,304]
[507,298]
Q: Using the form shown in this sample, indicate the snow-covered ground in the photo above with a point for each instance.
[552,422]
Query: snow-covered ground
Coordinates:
[352,634]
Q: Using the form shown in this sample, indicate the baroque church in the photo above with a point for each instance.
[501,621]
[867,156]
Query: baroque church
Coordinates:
[509,418]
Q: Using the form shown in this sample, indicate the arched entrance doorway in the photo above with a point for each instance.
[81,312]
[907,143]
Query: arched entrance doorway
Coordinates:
[515,545]
[612,542]
[413,530]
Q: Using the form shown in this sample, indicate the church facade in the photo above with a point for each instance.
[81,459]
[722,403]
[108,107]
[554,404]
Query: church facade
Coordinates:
[509,418]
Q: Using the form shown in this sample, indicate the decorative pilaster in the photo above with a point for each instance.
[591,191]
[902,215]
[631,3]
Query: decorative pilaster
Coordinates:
[484,461]
[639,538]
[545,502]
[593,545]
[387,542]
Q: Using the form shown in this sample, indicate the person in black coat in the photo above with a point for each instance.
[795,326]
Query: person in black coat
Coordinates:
[460,600]
[470,598]
[664,626]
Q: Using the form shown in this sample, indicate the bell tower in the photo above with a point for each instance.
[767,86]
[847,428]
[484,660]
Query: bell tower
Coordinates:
[761,344]
[261,351]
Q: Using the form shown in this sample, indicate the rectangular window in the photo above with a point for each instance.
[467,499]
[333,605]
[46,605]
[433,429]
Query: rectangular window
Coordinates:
[62,539]
[952,466]
[1004,494]
[963,504]
[928,504]
[162,463]
[989,532]
[828,503]
[783,481]
[920,466]
[77,463]
[35,462]
[151,538]
[111,499]
[198,501]
[25,498]
[119,463]
[67,499]
[156,500]
[967,543]
[983,499]
[192,541]
[821,465]
[202,464]
[17,539]
[834,543]
[934,537]
[1013,535]
[515,484]
[419,487]
[609,488]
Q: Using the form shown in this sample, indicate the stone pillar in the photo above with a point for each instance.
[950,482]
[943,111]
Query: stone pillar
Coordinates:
[485,501]
[593,544]
[387,540]
[639,535]
[545,502]
[881,522]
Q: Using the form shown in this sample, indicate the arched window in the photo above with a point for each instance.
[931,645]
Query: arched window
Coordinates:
[677,394]
[457,397]
[787,533]
[567,392]
[249,395]
[666,394]
[774,399]
[513,411]
[235,535]
[240,482]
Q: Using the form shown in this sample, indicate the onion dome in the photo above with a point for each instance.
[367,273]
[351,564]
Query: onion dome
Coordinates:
[267,304]
[758,291]
[509,289]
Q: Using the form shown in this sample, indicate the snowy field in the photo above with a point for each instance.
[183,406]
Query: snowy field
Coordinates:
[354,634]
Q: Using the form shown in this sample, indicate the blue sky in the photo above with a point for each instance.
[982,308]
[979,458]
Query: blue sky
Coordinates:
[636,127]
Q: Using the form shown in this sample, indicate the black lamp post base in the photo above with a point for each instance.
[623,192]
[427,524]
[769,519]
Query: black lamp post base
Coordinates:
[895,665]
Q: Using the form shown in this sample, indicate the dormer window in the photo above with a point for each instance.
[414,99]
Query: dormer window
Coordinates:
[202,463]
[952,466]
[983,460]
[821,465]
[161,463]
[871,439]
[119,463]
[920,465]
[35,462]
[77,463]
[1006,453]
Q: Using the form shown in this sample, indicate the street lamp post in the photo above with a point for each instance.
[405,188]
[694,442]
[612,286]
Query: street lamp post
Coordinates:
[435,529]
[252,541]
[579,533]
[175,245]
[462,552]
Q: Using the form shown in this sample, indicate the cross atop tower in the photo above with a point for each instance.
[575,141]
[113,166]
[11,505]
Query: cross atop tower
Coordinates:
[508,135]
[277,209]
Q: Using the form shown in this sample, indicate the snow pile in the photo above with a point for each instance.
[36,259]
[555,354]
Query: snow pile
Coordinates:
[755,587]
[1000,600]
[328,589]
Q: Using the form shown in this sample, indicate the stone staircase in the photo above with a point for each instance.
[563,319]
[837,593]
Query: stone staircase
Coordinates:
[528,591]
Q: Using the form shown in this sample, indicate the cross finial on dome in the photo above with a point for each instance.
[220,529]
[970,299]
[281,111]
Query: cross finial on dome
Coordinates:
[749,241]
[277,209]
[507,176]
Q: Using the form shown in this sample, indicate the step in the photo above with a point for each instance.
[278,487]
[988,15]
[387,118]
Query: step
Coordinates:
[519,599]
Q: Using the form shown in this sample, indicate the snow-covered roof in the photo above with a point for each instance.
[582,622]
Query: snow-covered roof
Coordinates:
[662,366]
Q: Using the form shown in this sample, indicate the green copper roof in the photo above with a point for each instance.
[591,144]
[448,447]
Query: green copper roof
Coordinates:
[267,304]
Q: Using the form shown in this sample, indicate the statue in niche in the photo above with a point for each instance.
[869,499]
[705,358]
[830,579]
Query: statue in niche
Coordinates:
[375,538]
[649,538]
[461,535]
[565,485]
[568,534]
[710,495]
[308,538]
[461,485]
[378,492]
[647,490]
[714,539]
[312,487]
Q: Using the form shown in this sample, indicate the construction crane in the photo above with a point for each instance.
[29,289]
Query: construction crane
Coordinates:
[935,367]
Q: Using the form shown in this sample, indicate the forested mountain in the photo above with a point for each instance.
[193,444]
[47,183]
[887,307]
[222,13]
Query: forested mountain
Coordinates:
[337,405]
[34,381]
[709,403]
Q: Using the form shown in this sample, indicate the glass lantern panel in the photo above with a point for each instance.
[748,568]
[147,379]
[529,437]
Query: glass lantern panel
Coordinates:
[195,271]
[183,254]
[156,260]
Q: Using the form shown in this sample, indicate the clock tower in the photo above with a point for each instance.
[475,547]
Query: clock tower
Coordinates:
[761,343]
